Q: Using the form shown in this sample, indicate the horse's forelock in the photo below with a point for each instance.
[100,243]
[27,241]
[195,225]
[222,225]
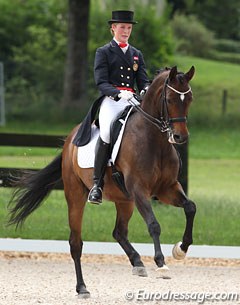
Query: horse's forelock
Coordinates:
[163,72]
[181,77]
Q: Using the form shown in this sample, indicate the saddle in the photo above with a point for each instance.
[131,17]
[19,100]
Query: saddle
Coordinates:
[86,152]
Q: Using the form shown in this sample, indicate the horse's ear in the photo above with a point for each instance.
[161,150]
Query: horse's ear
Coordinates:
[172,73]
[190,73]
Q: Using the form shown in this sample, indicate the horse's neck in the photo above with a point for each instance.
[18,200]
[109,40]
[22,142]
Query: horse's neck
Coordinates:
[149,106]
[148,132]
[151,103]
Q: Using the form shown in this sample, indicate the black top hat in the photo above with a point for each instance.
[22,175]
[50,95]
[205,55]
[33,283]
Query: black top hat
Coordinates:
[122,17]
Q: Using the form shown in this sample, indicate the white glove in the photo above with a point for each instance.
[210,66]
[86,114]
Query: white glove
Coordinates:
[143,91]
[125,94]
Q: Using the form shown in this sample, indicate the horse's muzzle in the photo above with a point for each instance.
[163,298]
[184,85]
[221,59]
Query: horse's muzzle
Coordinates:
[177,138]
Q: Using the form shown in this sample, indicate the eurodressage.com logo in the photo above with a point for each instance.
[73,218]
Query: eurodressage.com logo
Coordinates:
[199,297]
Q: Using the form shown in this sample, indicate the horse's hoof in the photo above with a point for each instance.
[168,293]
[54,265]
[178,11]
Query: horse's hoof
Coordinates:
[140,271]
[83,293]
[177,252]
[164,268]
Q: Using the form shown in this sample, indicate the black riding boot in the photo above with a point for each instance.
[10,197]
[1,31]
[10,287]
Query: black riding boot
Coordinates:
[100,164]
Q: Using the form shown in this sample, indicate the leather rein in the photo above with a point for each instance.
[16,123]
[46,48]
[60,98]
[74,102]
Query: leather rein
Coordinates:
[165,122]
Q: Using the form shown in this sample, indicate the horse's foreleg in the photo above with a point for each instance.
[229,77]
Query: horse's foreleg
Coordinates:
[178,198]
[181,248]
[120,233]
[145,209]
[190,211]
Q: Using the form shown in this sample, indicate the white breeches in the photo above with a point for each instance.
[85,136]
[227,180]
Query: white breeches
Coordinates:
[108,112]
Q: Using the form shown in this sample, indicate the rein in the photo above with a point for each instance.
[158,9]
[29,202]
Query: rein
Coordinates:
[163,123]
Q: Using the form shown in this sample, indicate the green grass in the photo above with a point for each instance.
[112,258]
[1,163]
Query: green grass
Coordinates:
[214,143]
[214,177]
[213,186]
[211,74]
[209,81]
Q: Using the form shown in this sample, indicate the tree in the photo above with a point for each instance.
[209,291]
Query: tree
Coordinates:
[220,16]
[75,81]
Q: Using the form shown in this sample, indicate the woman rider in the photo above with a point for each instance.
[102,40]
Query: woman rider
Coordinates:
[118,67]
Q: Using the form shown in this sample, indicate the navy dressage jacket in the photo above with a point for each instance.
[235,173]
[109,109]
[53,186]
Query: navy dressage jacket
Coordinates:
[114,70]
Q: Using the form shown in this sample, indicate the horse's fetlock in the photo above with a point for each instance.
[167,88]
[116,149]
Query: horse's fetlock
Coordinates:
[159,260]
[186,241]
[135,260]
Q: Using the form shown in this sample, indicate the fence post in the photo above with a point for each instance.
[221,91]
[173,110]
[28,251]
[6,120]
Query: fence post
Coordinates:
[183,174]
[224,102]
[2,102]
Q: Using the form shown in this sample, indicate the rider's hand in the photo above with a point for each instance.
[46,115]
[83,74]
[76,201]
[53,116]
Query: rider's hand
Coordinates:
[125,94]
[143,91]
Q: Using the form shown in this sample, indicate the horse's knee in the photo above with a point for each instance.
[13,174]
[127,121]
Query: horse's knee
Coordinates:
[75,246]
[154,228]
[190,207]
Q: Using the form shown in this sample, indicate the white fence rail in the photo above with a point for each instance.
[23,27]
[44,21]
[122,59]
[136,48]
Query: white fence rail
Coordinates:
[60,246]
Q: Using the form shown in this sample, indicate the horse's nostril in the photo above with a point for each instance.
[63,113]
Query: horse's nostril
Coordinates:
[177,137]
[180,138]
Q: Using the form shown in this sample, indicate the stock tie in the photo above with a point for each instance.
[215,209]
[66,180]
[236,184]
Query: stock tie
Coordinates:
[122,44]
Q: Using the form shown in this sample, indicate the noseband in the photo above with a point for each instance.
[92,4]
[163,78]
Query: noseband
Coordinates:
[165,122]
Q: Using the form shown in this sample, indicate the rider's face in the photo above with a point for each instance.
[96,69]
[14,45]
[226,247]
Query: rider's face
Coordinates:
[122,31]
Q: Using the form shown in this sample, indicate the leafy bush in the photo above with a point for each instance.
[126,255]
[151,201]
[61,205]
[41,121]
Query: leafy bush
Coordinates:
[227,45]
[225,56]
[33,56]
[192,37]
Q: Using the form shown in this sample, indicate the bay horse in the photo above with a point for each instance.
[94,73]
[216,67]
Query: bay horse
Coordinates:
[149,164]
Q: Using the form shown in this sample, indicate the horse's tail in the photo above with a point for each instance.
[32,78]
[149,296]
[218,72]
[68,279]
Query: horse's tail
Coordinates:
[31,189]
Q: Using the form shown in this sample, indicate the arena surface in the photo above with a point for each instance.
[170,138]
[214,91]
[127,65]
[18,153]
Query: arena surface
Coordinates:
[49,279]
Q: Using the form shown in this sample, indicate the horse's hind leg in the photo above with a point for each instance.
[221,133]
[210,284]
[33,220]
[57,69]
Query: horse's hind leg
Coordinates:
[120,233]
[76,196]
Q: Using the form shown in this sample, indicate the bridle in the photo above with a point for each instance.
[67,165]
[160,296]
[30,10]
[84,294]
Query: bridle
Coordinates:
[165,122]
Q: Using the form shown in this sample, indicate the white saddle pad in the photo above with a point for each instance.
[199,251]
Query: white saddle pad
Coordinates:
[86,153]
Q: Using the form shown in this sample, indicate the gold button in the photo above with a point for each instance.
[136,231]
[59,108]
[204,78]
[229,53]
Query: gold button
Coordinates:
[129,69]
[128,77]
[123,84]
[121,68]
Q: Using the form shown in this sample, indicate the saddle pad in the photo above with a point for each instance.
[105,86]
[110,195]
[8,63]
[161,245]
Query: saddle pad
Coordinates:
[86,153]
